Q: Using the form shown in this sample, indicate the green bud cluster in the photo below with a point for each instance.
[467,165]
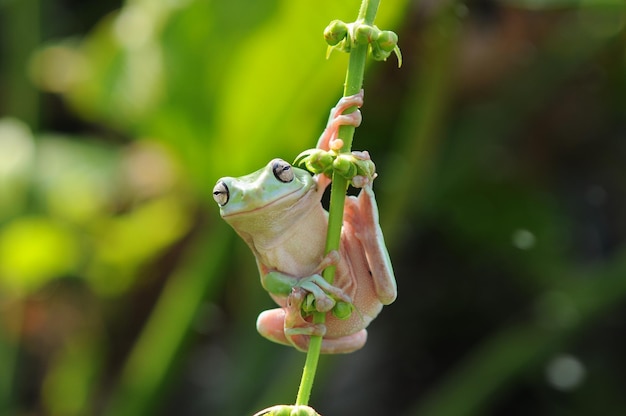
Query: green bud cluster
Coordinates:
[344,36]
[316,161]
[341,310]
[348,165]
[308,306]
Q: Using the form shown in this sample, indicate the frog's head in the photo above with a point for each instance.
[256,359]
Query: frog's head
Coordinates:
[276,187]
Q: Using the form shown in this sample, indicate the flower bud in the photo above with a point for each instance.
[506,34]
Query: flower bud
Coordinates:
[314,160]
[287,410]
[335,32]
[344,166]
[308,306]
[342,310]
[378,53]
[364,34]
[319,162]
[387,40]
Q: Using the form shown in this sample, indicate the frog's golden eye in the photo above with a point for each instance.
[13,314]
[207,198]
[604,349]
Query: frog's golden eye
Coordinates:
[282,171]
[221,193]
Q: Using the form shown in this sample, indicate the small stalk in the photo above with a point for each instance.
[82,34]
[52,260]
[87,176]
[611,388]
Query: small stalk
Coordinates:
[339,186]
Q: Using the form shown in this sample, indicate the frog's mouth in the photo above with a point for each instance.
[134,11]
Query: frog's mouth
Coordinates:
[284,212]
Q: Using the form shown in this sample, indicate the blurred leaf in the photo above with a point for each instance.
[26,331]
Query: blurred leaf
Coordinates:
[76,180]
[68,385]
[17,152]
[125,243]
[226,99]
[34,250]
[154,354]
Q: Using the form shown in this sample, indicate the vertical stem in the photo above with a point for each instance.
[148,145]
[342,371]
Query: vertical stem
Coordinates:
[339,185]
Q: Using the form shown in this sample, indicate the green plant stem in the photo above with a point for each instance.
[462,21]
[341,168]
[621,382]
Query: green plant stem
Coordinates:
[339,186]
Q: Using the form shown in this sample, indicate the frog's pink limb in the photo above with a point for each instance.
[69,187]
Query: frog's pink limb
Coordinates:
[270,325]
[337,119]
[361,213]
[343,345]
[294,323]
[287,326]
[330,259]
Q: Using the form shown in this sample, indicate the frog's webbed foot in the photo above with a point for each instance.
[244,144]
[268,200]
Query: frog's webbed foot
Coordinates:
[295,324]
[344,103]
[365,169]
[324,295]
[313,294]
[329,139]
[330,259]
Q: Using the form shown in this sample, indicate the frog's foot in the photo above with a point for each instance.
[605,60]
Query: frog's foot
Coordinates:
[334,143]
[294,323]
[322,296]
[295,326]
[366,170]
[325,295]
[271,324]
[361,155]
[329,139]
[284,325]
[330,259]
[344,103]
[342,345]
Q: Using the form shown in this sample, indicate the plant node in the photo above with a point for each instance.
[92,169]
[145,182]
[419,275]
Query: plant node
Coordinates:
[345,36]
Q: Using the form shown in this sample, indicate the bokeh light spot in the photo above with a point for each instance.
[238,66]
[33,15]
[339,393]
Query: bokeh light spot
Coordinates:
[565,372]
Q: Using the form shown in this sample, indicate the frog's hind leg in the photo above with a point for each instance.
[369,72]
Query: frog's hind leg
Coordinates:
[361,216]
[342,345]
[278,326]
[270,324]
[286,325]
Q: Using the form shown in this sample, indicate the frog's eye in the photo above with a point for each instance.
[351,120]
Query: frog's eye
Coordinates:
[282,171]
[221,193]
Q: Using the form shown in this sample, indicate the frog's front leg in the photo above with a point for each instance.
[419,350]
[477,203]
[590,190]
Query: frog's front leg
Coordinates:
[325,294]
[287,325]
[328,140]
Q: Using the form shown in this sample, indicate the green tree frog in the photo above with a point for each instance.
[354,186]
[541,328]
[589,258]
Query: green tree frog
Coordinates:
[277,211]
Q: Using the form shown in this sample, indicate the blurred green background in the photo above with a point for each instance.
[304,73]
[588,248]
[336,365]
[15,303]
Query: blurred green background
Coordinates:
[501,150]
